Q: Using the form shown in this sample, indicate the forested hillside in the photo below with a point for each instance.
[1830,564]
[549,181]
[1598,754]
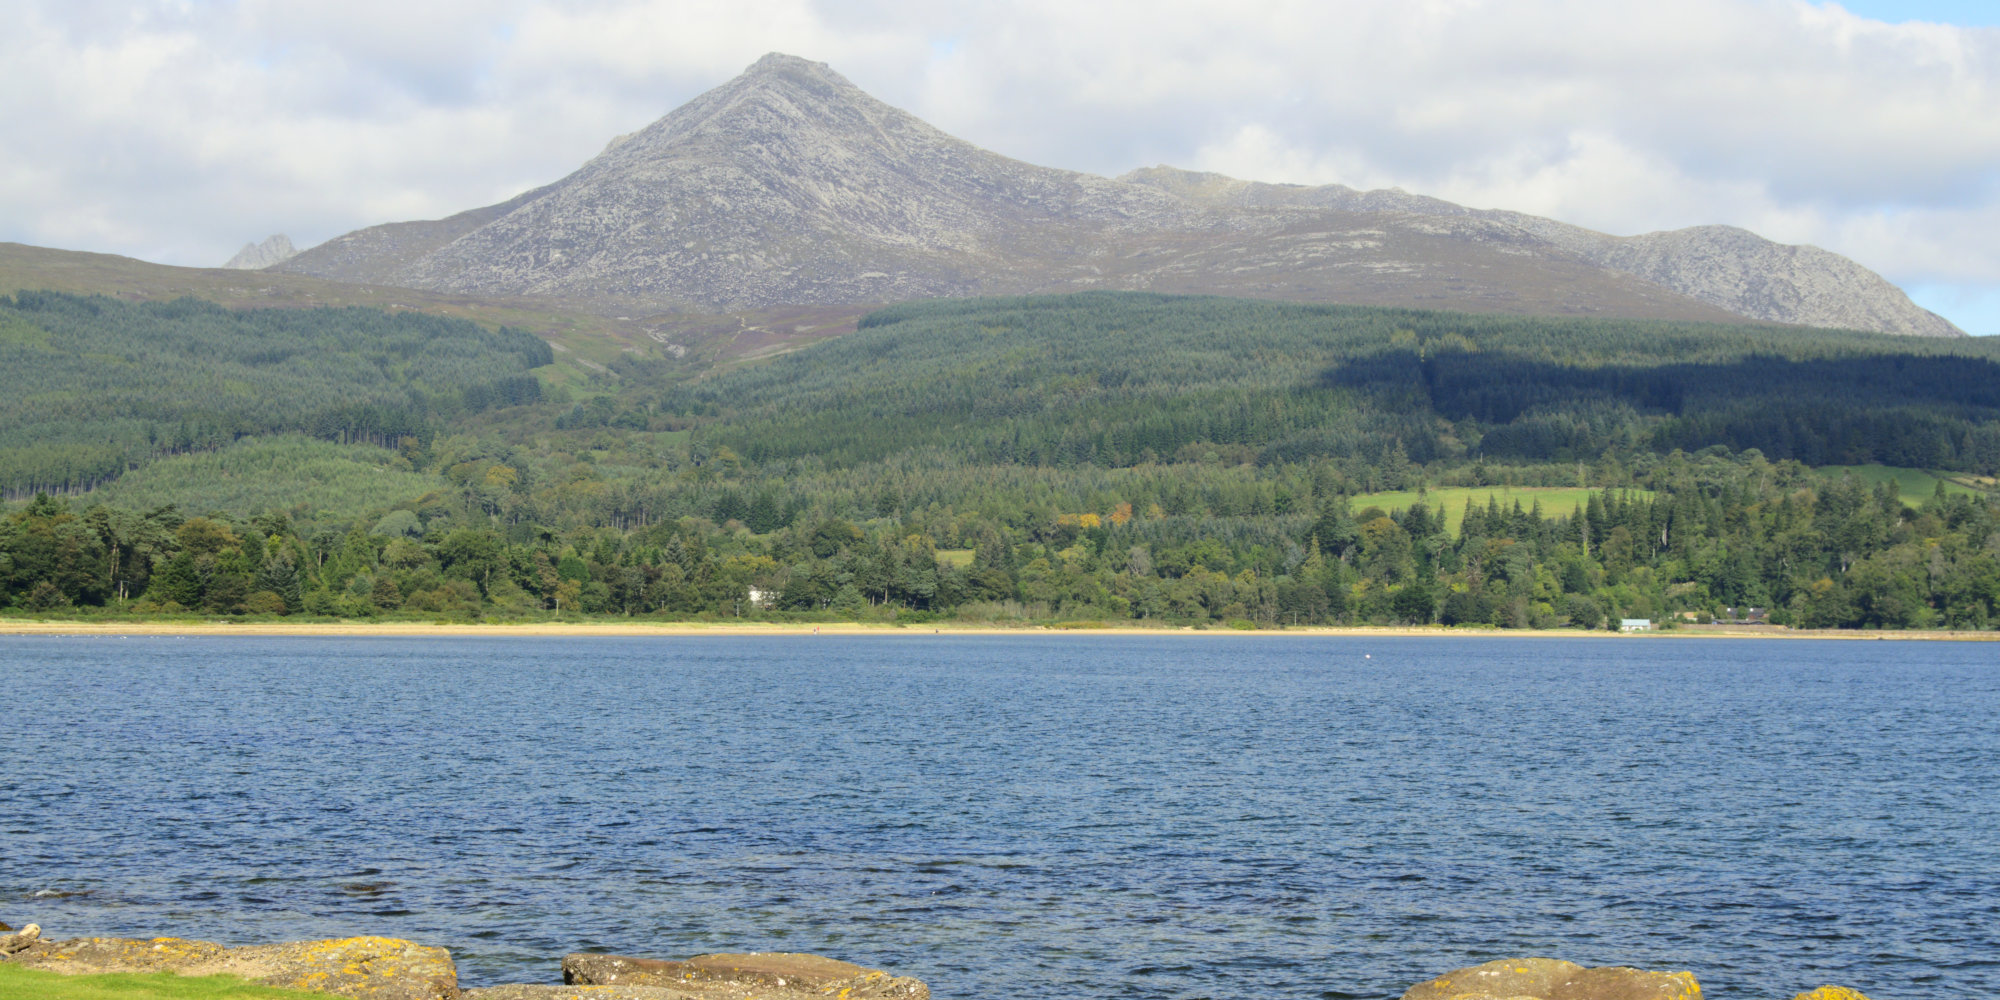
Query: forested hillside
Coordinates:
[1112,457]
[1121,379]
[93,386]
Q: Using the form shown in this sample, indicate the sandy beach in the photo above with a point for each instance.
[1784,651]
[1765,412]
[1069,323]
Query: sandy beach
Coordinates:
[643,629]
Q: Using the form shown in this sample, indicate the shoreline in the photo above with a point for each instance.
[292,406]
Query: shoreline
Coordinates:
[636,629]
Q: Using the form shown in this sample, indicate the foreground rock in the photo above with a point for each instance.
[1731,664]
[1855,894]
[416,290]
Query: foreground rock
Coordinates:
[1550,979]
[365,968]
[11,943]
[769,975]
[578,993]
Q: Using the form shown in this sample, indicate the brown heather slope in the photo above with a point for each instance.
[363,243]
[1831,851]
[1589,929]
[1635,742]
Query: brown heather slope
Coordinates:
[587,336]
[789,185]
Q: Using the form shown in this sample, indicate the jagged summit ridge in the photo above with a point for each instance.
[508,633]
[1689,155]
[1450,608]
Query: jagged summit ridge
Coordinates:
[791,185]
[274,250]
[787,184]
[1725,266]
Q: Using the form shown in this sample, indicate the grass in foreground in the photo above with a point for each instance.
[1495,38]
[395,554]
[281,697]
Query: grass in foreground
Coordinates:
[34,984]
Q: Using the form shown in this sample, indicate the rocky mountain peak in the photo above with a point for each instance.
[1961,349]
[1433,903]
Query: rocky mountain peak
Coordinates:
[789,185]
[274,250]
[797,71]
[781,102]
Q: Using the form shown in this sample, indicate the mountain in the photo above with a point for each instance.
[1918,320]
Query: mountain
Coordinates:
[256,256]
[1731,268]
[789,185]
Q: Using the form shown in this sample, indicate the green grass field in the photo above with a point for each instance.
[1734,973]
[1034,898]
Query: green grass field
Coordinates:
[1915,485]
[33,984]
[960,558]
[1556,501]
[271,473]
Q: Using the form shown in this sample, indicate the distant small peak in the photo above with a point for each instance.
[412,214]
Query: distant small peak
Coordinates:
[254,256]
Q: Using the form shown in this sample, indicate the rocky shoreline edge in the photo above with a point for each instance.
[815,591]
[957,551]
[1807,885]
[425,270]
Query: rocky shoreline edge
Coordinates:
[379,968]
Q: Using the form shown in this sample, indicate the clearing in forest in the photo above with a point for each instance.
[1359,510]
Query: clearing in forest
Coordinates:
[1556,501]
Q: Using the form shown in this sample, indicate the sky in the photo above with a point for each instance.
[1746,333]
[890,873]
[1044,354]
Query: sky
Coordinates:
[178,130]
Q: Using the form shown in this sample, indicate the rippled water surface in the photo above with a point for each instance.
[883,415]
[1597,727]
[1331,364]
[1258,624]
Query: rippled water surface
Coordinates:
[1034,816]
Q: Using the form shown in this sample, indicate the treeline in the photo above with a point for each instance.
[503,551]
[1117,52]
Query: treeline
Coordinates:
[91,386]
[1088,457]
[1714,533]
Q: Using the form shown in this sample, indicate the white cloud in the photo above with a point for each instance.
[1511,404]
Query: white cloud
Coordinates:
[178,130]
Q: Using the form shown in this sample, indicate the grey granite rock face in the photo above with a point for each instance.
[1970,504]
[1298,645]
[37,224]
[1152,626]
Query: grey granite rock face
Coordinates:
[789,185]
[254,256]
[1733,269]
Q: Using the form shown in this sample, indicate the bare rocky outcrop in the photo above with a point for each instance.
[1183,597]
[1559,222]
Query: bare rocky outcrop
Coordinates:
[535,992]
[255,256]
[772,975]
[1749,275]
[377,968]
[365,968]
[19,940]
[1730,268]
[93,956]
[1552,979]
[789,185]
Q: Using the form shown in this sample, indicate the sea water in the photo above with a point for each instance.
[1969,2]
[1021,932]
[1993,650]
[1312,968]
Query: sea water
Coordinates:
[1049,816]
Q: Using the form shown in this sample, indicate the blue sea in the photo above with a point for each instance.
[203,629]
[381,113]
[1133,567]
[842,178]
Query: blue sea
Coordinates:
[1054,816]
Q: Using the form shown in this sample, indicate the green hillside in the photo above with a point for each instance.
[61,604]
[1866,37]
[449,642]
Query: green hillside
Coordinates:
[93,386]
[300,475]
[1094,457]
[1118,379]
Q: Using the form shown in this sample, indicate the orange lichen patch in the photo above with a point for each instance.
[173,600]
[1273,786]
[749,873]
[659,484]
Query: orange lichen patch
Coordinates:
[1831,993]
[366,968]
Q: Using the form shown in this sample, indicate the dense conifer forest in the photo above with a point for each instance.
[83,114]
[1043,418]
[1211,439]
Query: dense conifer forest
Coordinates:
[1092,458]
[91,386]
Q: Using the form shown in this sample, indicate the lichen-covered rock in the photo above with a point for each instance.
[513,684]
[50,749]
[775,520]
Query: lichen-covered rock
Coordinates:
[522,992]
[771,975]
[18,941]
[1551,979]
[1831,993]
[92,956]
[364,968]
